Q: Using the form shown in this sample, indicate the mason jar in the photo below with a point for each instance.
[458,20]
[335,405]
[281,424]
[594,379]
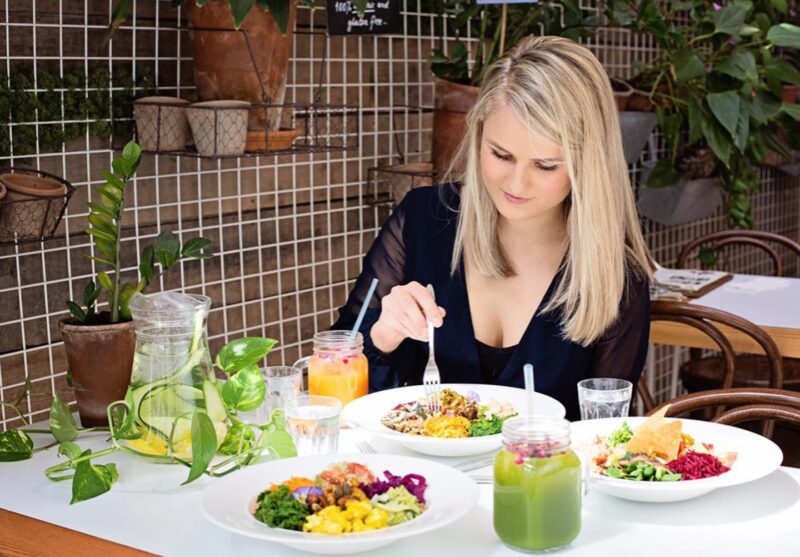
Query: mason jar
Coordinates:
[537,485]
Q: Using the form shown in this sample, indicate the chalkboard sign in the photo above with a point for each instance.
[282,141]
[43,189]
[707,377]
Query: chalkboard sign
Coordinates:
[382,17]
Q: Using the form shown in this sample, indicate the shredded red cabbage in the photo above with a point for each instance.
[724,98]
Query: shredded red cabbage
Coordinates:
[414,483]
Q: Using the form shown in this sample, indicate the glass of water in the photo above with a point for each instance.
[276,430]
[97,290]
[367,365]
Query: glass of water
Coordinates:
[604,397]
[284,383]
[313,422]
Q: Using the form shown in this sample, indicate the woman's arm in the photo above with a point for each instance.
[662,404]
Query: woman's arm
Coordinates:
[622,351]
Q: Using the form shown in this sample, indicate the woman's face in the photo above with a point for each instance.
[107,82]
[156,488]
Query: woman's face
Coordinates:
[525,175]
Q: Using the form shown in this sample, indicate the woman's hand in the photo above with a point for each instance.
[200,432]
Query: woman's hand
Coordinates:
[405,313]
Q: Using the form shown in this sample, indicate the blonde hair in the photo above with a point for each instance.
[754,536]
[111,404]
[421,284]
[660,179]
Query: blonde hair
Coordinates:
[560,90]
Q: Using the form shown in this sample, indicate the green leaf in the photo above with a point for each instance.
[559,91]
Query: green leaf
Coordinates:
[764,107]
[101,260]
[663,175]
[106,248]
[100,222]
[132,152]
[784,34]
[695,121]
[204,445]
[276,438]
[717,139]
[15,445]
[105,281]
[245,390]
[243,352]
[742,129]
[688,65]
[92,480]
[280,13]
[239,10]
[780,5]
[168,249]
[126,292]
[111,192]
[146,264]
[123,168]
[76,311]
[90,294]
[792,110]
[240,438]
[194,247]
[99,234]
[62,424]
[741,65]
[729,20]
[69,449]
[780,69]
[725,107]
[102,210]
[113,180]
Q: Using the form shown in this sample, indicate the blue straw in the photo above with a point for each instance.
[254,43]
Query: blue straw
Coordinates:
[365,305]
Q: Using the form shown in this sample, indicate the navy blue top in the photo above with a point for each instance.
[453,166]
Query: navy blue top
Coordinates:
[416,244]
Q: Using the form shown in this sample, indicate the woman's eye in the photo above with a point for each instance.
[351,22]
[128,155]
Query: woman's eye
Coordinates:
[546,168]
[501,156]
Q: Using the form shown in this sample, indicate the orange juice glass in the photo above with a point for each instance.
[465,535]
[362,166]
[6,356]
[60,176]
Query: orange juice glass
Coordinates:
[338,366]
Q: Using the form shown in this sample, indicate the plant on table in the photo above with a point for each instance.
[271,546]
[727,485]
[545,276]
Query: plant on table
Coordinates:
[717,85]
[244,390]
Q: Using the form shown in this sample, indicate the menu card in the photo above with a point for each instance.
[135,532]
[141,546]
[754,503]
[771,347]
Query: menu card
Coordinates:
[690,282]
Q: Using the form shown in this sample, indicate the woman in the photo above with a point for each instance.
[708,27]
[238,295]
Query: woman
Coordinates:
[536,256]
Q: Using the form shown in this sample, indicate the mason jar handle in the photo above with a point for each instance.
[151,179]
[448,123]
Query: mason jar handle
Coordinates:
[585,471]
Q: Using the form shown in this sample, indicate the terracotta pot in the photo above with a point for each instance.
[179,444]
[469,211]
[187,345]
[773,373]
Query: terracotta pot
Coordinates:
[161,123]
[622,92]
[223,68]
[219,127]
[281,140]
[32,205]
[100,359]
[451,103]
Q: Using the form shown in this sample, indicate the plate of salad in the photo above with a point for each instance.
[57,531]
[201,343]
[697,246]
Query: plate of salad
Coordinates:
[469,423]
[660,459]
[339,504]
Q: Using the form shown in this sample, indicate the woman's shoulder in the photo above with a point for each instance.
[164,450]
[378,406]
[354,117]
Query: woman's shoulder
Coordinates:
[440,201]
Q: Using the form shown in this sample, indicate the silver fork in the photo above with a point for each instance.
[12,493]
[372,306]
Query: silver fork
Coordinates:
[365,447]
[430,379]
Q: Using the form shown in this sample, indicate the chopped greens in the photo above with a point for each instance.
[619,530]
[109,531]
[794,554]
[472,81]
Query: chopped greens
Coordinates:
[641,471]
[485,426]
[621,435]
[279,509]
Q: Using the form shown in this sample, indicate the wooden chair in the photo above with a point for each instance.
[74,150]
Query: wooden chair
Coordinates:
[720,371]
[747,405]
[701,372]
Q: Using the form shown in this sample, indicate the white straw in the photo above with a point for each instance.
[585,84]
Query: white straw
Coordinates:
[527,372]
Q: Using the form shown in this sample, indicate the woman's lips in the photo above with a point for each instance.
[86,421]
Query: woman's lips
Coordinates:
[514,199]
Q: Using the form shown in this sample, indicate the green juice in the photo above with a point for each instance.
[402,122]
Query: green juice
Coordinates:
[537,504]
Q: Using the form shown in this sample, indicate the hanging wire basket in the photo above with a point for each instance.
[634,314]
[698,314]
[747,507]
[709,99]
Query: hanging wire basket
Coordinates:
[32,205]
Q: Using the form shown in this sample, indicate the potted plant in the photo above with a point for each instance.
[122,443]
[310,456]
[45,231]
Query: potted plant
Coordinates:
[716,86]
[457,81]
[100,346]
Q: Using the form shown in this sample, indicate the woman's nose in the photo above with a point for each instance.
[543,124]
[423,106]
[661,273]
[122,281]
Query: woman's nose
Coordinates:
[518,180]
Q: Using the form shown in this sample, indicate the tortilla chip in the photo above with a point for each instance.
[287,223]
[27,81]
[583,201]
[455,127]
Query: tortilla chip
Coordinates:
[657,437]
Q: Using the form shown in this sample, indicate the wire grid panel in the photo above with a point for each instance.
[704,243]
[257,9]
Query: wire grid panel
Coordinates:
[289,231]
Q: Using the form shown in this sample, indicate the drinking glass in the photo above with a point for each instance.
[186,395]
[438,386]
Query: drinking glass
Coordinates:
[313,422]
[338,366]
[604,397]
[284,383]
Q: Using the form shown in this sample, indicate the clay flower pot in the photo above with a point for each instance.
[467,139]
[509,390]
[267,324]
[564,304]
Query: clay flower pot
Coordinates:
[622,92]
[161,123]
[32,205]
[219,127]
[100,359]
[451,103]
[280,140]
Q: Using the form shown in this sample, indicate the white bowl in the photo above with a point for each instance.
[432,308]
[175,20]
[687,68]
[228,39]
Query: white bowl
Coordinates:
[366,412]
[226,502]
[756,456]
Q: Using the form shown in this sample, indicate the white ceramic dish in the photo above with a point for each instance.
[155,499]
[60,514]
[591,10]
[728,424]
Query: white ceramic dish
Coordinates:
[366,412]
[756,457]
[227,501]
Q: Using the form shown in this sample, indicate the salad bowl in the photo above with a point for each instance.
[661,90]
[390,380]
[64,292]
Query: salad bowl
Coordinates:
[753,456]
[228,502]
[366,413]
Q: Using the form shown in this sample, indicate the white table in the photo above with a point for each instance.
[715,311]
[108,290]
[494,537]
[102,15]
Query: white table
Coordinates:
[775,309]
[149,511]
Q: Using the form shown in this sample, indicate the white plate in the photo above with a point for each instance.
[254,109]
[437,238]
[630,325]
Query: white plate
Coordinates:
[366,413]
[756,456]
[226,502]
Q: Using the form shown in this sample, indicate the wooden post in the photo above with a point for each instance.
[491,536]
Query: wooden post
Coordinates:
[503,19]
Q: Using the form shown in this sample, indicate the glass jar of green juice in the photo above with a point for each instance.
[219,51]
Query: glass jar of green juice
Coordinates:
[537,485]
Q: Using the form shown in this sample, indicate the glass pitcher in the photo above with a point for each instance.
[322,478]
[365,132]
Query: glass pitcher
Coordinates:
[172,376]
[338,366]
[537,485]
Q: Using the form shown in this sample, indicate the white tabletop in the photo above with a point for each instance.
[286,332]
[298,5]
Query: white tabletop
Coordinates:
[765,301]
[148,510]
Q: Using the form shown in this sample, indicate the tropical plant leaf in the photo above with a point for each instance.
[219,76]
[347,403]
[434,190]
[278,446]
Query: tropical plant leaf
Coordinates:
[688,65]
[15,445]
[717,139]
[729,20]
[784,34]
[62,424]
[113,180]
[76,311]
[243,352]
[245,390]
[105,281]
[101,235]
[204,445]
[194,247]
[168,249]
[725,107]
[91,480]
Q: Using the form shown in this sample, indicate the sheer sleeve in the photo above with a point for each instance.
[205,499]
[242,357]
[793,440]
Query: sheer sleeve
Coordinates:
[621,352]
[385,261]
